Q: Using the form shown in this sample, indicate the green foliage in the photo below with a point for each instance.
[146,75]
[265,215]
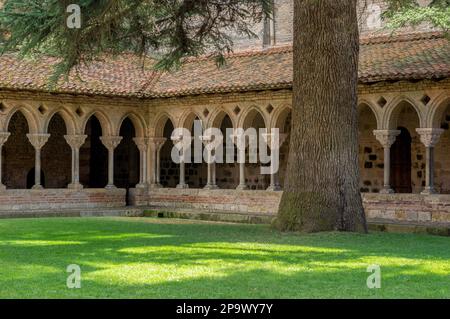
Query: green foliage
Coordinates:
[168,29]
[403,13]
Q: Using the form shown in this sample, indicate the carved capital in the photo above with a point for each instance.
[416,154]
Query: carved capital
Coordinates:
[75,141]
[141,143]
[38,140]
[386,137]
[4,137]
[156,142]
[111,142]
[429,136]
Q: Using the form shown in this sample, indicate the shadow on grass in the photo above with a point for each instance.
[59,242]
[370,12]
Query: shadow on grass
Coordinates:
[143,258]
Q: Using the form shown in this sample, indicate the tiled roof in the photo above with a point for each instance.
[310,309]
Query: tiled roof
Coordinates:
[407,57]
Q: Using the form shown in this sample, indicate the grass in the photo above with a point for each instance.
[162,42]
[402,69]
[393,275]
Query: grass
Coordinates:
[153,258]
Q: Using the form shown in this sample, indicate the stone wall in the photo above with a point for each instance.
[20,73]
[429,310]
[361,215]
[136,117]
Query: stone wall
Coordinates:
[54,199]
[397,208]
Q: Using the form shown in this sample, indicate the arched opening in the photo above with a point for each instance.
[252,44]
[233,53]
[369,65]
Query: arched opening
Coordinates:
[56,155]
[371,152]
[408,160]
[441,153]
[93,157]
[227,174]
[31,178]
[401,162]
[254,179]
[169,170]
[196,173]
[18,154]
[126,158]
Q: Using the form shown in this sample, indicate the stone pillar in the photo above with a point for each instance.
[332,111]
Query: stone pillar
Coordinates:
[142,145]
[386,139]
[182,184]
[429,137]
[156,144]
[38,141]
[274,178]
[111,142]
[3,138]
[211,180]
[75,142]
[241,154]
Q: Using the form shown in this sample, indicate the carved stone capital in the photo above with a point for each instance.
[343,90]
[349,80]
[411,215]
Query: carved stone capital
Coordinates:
[38,140]
[75,141]
[141,143]
[386,137]
[4,137]
[429,136]
[111,142]
[156,142]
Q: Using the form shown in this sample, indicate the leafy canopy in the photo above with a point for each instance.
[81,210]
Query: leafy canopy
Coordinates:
[168,29]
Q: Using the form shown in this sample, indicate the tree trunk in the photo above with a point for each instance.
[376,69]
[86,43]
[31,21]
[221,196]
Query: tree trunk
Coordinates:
[322,181]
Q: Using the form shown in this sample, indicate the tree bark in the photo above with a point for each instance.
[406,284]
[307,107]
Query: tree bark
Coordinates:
[322,181]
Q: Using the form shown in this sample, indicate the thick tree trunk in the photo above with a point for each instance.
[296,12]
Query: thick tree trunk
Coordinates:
[322,181]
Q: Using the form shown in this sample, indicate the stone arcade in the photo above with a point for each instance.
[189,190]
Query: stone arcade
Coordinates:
[105,141]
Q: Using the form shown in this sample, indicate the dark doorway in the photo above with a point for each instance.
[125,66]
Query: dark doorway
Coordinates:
[31,180]
[401,163]
[126,158]
[93,157]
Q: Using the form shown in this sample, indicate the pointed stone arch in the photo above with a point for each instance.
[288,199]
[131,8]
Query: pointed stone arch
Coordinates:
[138,123]
[32,120]
[393,109]
[105,122]
[66,116]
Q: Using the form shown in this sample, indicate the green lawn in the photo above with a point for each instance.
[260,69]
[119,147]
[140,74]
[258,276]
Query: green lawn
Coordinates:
[151,258]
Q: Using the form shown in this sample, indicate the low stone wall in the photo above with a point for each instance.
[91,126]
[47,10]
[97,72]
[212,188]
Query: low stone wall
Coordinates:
[255,202]
[414,208]
[411,208]
[51,199]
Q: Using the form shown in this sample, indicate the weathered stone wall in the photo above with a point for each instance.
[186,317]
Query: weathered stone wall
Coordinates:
[53,199]
[398,208]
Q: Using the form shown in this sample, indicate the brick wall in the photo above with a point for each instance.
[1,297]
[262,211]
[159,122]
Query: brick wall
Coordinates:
[54,199]
[392,208]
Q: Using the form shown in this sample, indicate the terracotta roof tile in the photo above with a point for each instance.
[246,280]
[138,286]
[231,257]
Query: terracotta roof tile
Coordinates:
[414,56]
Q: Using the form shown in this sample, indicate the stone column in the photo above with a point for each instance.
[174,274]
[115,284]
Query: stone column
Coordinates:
[182,184]
[156,144]
[386,139]
[75,142]
[241,154]
[38,141]
[429,137]
[274,178]
[211,180]
[142,145]
[3,138]
[111,142]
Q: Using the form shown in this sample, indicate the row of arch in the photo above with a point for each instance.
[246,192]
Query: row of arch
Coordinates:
[18,154]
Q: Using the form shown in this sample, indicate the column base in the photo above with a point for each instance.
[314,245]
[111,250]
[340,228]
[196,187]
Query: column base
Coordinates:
[75,186]
[110,186]
[142,186]
[387,191]
[156,186]
[429,191]
[274,188]
[37,187]
[242,188]
[211,187]
[182,186]
[2,187]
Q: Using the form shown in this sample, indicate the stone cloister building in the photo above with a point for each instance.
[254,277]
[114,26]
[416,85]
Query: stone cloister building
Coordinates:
[104,139]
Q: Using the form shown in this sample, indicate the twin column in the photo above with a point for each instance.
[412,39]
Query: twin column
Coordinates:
[428,136]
